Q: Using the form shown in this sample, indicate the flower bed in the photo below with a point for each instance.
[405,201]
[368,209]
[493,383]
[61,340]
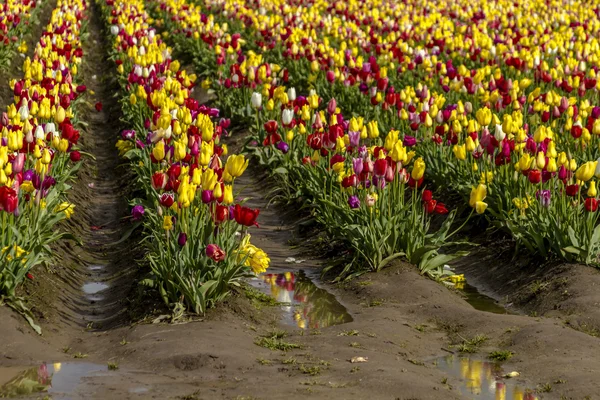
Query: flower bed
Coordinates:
[195,232]
[502,115]
[38,153]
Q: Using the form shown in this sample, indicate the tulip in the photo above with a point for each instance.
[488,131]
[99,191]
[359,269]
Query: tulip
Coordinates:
[477,194]
[215,253]
[75,156]
[499,133]
[380,167]
[418,169]
[591,204]
[572,190]
[353,202]
[167,199]
[480,207]
[543,197]
[427,196]
[236,165]
[460,152]
[207,196]
[534,176]
[256,100]
[287,116]
[586,171]
[409,141]
[592,192]
[331,106]
[245,216]
[138,212]
[182,239]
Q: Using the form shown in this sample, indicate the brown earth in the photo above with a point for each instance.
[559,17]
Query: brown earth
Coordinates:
[402,322]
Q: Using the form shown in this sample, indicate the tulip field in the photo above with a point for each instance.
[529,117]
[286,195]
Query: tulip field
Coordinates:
[397,126]
[303,156]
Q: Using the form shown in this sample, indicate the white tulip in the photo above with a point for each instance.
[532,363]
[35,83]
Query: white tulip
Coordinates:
[39,132]
[24,112]
[499,133]
[291,93]
[287,116]
[256,100]
[49,128]
[114,30]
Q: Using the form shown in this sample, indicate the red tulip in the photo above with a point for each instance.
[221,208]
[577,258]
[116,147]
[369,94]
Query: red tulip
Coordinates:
[167,199]
[380,167]
[430,206]
[159,180]
[98,106]
[221,214]
[441,209]
[427,195]
[215,252]
[572,190]
[591,204]
[534,176]
[245,216]
[75,156]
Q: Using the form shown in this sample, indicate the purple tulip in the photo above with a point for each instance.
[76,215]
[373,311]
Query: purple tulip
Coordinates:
[138,212]
[357,165]
[409,141]
[182,239]
[283,146]
[128,134]
[207,196]
[353,202]
[354,138]
[28,175]
[543,196]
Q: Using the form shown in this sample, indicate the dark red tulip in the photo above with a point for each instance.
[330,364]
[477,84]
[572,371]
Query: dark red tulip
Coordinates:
[245,216]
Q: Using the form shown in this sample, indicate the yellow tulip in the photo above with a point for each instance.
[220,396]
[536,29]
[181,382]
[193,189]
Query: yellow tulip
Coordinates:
[418,169]
[236,165]
[586,171]
[592,192]
[159,150]
[228,195]
[477,194]
[460,151]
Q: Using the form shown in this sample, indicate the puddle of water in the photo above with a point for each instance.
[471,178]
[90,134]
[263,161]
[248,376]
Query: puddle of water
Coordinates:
[55,379]
[307,306]
[482,380]
[94,287]
[480,301]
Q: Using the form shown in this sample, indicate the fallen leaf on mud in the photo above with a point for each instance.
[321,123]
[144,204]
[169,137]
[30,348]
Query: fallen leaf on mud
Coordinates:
[293,260]
[359,359]
[512,374]
[95,228]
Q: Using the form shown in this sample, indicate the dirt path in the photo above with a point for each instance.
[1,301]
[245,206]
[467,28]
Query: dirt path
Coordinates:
[403,325]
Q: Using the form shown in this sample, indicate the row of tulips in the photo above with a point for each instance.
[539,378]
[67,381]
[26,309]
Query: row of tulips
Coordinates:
[506,119]
[16,20]
[38,150]
[197,237]
[363,191]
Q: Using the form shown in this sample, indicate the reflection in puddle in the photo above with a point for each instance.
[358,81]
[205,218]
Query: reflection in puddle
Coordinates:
[310,307]
[480,379]
[55,379]
[94,287]
[480,301]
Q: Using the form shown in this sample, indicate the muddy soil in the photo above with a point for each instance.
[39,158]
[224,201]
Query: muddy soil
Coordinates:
[401,325]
